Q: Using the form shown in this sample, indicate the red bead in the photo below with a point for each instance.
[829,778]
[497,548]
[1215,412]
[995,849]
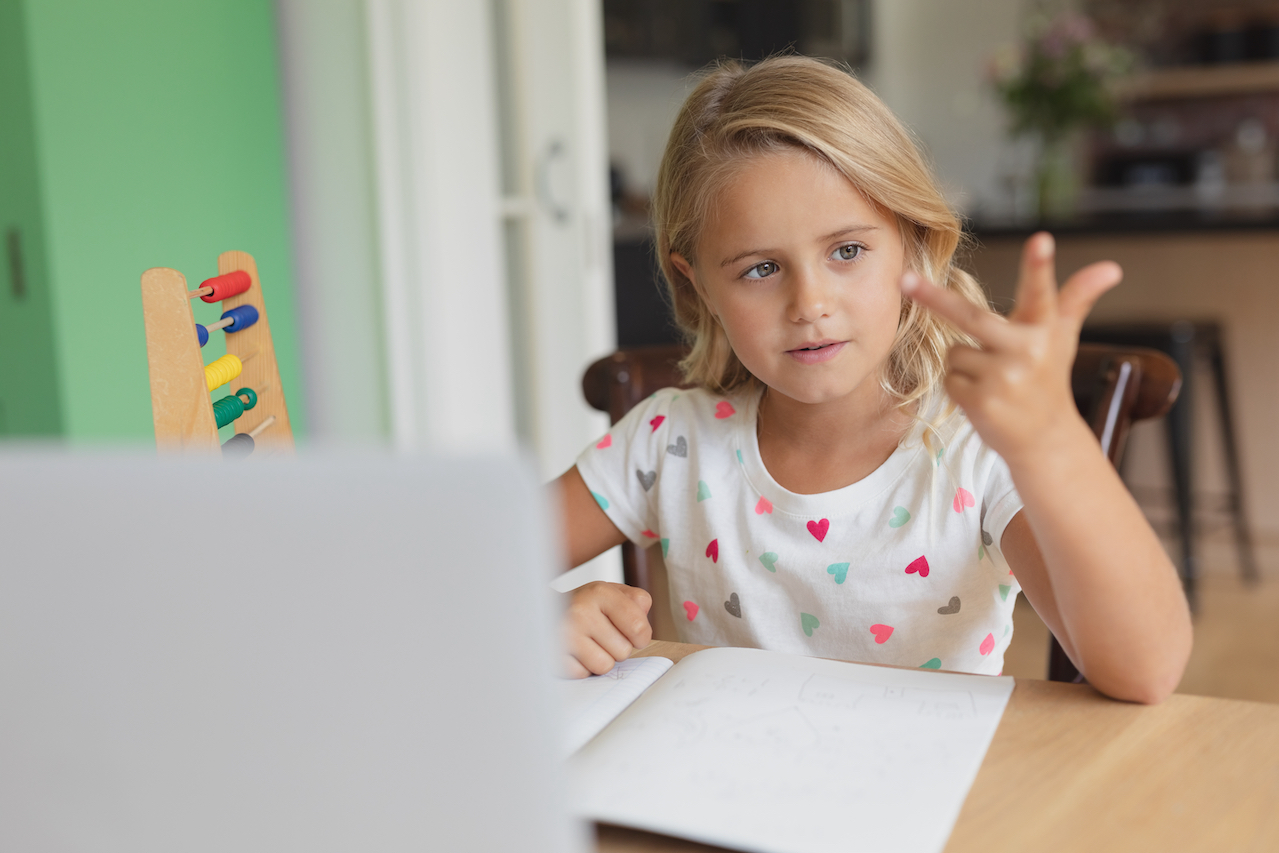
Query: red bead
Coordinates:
[224,286]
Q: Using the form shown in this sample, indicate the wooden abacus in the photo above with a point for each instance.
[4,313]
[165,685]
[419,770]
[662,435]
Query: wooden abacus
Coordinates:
[186,417]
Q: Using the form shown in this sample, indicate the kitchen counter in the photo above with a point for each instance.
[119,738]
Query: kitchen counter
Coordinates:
[1137,222]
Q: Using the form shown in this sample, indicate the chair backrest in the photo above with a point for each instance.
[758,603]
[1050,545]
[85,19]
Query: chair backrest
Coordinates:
[1116,386]
[1113,386]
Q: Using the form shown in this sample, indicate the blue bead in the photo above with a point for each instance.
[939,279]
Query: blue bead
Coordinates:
[202,333]
[243,317]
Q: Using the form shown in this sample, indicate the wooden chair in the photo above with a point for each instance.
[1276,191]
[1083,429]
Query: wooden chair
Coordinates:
[1113,388]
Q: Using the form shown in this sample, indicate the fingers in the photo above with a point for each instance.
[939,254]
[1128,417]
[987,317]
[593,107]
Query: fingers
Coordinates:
[573,668]
[605,623]
[1036,296]
[1082,290]
[970,363]
[632,618]
[982,323]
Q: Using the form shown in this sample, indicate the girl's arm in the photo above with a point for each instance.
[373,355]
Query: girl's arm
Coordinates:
[1082,550]
[604,622]
[586,531]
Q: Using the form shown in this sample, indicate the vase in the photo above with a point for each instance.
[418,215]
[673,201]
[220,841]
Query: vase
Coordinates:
[1057,179]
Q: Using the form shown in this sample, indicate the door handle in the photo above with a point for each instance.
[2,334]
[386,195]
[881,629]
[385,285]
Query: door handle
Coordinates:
[17,271]
[554,152]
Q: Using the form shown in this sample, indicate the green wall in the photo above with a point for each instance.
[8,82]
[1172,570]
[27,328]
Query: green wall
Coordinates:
[160,143]
[29,398]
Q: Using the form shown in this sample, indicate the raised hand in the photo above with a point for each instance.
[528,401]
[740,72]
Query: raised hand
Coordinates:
[1016,388]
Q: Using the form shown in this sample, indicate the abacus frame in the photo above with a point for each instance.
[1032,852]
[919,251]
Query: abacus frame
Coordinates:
[181,403]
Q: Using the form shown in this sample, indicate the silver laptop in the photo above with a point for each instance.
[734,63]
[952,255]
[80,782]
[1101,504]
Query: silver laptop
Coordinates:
[310,655]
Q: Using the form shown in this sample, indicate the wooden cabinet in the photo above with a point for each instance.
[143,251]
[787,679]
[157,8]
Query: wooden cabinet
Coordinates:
[29,404]
[135,134]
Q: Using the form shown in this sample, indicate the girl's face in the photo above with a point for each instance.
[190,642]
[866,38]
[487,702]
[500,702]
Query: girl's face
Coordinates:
[803,274]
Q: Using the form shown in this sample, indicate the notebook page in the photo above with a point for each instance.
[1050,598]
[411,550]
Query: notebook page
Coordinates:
[761,751]
[592,703]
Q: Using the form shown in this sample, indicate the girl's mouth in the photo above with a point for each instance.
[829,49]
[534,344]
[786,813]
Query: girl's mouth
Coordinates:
[817,352]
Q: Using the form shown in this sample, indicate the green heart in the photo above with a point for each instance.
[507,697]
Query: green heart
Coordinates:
[939,455]
[1003,588]
[935,663]
[739,457]
[666,546]
[809,623]
[703,491]
[981,552]
[599,499]
[839,570]
[900,517]
[769,559]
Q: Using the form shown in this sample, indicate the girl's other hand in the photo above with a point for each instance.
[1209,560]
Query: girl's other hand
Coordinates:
[1016,388]
[604,624]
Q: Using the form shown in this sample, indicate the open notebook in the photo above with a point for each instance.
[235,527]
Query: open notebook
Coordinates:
[775,753]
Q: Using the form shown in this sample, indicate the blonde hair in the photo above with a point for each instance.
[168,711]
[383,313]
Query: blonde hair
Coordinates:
[784,103]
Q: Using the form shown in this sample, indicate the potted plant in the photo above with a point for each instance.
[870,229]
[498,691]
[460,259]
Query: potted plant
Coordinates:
[1054,84]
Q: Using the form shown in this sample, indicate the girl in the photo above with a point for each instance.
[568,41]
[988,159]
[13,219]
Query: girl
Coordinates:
[873,463]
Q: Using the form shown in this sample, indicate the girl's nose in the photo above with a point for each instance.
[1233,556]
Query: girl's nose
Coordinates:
[809,296]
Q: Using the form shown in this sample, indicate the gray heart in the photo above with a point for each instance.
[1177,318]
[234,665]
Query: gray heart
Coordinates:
[647,478]
[953,607]
[679,448]
[734,605]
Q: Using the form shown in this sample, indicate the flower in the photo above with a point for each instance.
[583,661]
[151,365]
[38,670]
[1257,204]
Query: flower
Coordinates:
[1060,78]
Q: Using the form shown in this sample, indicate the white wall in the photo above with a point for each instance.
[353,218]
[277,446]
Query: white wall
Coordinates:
[326,100]
[929,65]
[643,100]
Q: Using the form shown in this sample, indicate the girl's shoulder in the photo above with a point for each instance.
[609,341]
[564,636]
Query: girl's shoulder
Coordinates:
[946,432]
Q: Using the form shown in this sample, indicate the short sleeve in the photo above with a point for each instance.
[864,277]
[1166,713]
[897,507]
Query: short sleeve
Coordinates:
[622,469]
[1000,500]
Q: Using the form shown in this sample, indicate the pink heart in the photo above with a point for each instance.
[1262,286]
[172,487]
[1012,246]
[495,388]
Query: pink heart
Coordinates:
[919,565]
[691,609]
[656,422]
[881,632]
[650,534]
[987,645]
[606,441]
[963,498]
[712,550]
[724,409]
[819,528]
[764,505]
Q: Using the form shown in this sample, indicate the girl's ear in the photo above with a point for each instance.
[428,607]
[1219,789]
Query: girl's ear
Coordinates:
[684,268]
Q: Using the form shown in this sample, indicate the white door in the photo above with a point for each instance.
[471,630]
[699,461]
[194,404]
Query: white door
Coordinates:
[494,222]
[557,223]
[557,219]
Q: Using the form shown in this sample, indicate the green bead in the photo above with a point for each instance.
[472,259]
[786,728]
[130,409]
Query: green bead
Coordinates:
[227,409]
[251,394]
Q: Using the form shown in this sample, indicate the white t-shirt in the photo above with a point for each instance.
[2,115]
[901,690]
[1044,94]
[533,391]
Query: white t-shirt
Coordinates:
[902,567]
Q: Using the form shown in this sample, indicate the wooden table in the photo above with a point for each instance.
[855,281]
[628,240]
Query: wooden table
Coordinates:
[1070,770]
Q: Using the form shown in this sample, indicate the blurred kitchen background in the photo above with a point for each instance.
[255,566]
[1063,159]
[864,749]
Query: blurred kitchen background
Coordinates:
[448,206]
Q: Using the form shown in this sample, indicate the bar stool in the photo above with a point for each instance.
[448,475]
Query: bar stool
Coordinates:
[1185,341]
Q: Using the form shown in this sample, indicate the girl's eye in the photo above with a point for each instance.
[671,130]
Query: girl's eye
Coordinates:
[847,253]
[763,270]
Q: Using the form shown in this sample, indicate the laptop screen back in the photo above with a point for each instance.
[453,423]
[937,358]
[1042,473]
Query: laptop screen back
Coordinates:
[306,655]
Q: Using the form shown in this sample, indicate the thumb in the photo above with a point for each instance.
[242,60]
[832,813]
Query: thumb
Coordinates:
[1082,290]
